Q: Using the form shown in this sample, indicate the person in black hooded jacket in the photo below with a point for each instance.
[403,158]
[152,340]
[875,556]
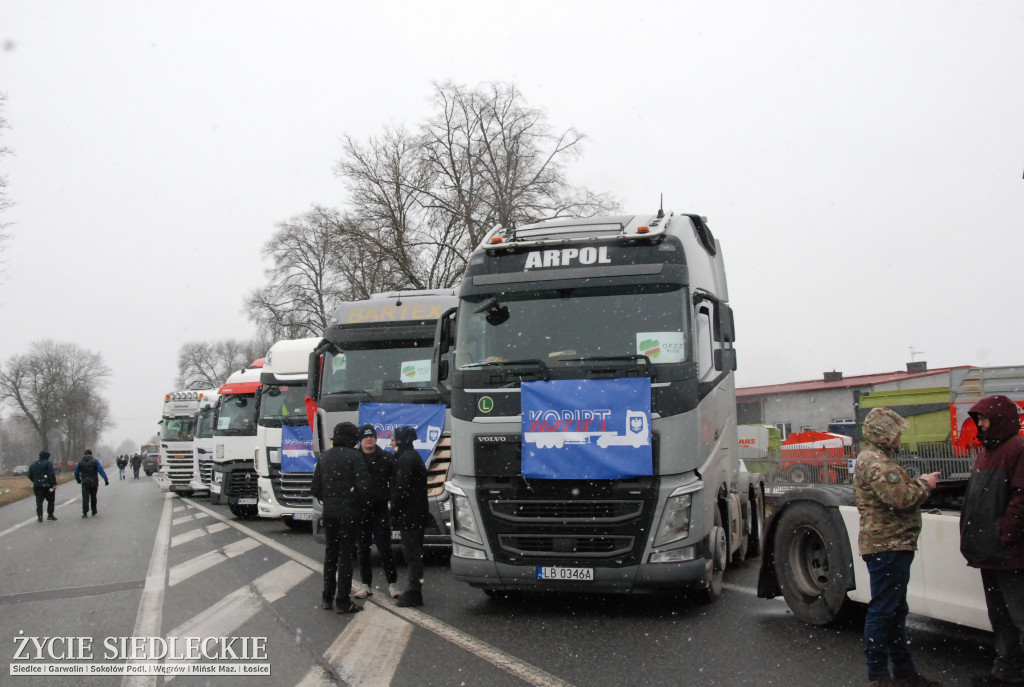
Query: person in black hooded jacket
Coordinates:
[335,483]
[376,523]
[410,510]
[88,473]
[992,532]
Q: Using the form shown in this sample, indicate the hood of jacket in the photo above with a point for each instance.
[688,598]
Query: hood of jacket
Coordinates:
[1003,419]
[882,426]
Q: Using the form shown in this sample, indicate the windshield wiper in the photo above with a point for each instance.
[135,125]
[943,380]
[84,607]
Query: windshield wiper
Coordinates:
[509,363]
[613,358]
[351,391]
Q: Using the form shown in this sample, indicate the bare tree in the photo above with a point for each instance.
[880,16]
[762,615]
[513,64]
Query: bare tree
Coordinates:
[420,202]
[207,365]
[56,387]
[484,158]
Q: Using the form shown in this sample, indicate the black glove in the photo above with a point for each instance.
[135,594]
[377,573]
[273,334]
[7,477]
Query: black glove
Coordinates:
[79,481]
[106,483]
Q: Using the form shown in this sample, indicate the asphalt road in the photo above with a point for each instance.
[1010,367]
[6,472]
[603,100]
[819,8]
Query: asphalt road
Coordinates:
[156,567]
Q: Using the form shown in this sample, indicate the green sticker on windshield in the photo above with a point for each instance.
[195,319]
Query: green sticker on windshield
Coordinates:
[485,404]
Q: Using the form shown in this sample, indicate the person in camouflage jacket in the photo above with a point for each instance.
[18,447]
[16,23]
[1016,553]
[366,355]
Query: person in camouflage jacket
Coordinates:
[889,502]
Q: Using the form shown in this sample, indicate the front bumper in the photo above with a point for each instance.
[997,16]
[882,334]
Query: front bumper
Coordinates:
[630,579]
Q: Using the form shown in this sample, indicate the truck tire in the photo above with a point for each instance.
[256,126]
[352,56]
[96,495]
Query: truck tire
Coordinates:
[711,586]
[810,564]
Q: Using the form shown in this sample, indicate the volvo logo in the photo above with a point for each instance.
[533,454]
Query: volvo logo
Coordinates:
[493,438]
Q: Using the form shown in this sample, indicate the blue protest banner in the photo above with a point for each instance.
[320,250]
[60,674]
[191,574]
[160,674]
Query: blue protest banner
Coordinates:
[426,419]
[297,449]
[587,428]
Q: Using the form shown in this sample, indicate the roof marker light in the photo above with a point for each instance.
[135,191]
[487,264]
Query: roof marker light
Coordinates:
[642,230]
[496,239]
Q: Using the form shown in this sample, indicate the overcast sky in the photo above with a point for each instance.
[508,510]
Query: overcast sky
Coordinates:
[861,162]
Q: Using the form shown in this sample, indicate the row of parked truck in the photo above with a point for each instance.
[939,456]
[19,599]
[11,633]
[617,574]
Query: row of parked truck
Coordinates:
[574,399]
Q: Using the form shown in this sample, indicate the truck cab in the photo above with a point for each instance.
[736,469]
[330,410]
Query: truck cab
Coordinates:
[374,365]
[202,445]
[284,456]
[233,479]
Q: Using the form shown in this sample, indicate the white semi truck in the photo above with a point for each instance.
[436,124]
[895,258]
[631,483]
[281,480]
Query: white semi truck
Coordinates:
[178,428]
[202,445]
[594,441]
[233,478]
[811,557]
[374,365]
[284,457]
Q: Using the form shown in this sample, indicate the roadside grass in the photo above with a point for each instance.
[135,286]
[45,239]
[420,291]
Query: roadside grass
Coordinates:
[16,488]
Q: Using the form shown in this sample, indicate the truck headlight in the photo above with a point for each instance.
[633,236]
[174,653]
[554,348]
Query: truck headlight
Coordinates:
[463,520]
[218,477]
[264,495]
[675,519]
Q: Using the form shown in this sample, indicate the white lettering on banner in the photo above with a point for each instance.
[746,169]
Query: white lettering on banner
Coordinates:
[567,256]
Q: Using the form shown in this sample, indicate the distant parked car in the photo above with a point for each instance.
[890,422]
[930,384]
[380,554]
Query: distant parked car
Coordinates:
[20,470]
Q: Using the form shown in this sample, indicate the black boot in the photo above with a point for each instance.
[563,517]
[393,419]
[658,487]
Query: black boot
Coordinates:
[413,597]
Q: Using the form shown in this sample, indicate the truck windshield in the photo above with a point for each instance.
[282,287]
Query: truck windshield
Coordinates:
[206,420]
[178,428]
[567,327]
[378,366]
[282,403]
[236,415]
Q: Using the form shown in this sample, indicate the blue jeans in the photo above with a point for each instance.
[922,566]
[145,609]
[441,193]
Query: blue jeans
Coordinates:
[885,628]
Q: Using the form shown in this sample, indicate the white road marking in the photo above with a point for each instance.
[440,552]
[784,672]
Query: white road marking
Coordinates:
[317,677]
[183,571]
[150,615]
[367,653]
[186,518]
[197,533]
[12,528]
[510,664]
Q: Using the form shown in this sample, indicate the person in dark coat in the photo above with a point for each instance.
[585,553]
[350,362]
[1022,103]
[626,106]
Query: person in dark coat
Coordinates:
[410,510]
[44,484]
[376,524]
[136,464]
[335,484]
[122,463]
[992,532]
[88,473]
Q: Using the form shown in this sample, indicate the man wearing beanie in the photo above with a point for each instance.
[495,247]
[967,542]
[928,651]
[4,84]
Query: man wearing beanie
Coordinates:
[376,524]
[88,473]
[335,483]
[44,484]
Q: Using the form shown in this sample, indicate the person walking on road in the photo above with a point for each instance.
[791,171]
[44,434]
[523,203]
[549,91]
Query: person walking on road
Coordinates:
[88,473]
[122,463]
[376,524]
[44,484]
[136,464]
[410,510]
[992,532]
[889,502]
[335,482]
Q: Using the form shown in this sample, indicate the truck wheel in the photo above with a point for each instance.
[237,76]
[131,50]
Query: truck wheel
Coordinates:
[808,559]
[801,474]
[711,585]
[755,545]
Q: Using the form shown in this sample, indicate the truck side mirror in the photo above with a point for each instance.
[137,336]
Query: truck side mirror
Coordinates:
[725,359]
